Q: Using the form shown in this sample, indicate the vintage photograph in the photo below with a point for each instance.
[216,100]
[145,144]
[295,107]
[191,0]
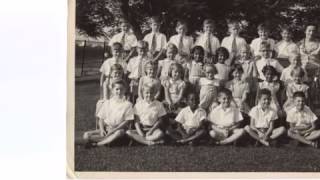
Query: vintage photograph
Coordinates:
[197,86]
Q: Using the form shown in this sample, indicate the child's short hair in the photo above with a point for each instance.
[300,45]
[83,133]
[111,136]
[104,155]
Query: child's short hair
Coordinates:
[298,70]
[286,28]
[208,21]
[120,82]
[117,45]
[211,66]
[264,91]
[178,67]
[222,50]
[189,93]
[225,91]
[181,22]
[265,45]
[268,68]
[150,86]
[198,48]
[155,19]
[150,63]
[237,67]
[173,47]
[233,23]
[143,44]
[116,67]
[299,94]
[247,48]
[263,27]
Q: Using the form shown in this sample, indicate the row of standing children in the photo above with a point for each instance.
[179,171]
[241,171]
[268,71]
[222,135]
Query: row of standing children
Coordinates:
[158,87]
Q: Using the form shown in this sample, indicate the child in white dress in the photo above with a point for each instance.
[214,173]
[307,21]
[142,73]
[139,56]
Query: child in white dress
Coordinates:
[148,117]
[114,116]
[221,66]
[164,65]
[194,70]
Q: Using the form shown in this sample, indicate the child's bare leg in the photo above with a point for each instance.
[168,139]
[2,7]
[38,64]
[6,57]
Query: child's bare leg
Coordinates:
[314,135]
[254,135]
[277,132]
[155,136]
[196,135]
[117,134]
[134,135]
[237,133]
[299,138]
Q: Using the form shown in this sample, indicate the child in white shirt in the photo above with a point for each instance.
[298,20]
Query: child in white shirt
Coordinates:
[295,62]
[114,116]
[127,39]
[157,41]
[183,42]
[234,42]
[190,121]
[194,70]
[302,122]
[263,32]
[223,68]
[150,78]
[164,65]
[208,41]
[148,117]
[136,68]
[225,120]
[262,120]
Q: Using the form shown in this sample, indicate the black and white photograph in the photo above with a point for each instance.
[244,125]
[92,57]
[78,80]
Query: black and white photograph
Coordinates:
[196,86]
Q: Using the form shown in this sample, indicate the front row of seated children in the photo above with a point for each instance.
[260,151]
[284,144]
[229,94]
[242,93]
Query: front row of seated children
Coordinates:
[222,123]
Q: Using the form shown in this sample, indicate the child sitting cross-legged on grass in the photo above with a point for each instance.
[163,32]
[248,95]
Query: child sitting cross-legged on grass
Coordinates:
[302,121]
[190,121]
[225,120]
[114,116]
[262,120]
[148,117]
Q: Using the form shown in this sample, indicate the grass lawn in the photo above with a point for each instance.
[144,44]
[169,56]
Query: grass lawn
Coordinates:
[200,158]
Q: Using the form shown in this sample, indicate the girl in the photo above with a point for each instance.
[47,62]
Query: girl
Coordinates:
[150,78]
[239,89]
[183,42]
[116,73]
[164,65]
[222,68]
[194,70]
[269,73]
[295,62]
[114,117]
[174,88]
[286,46]
[148,117]
[208,88]
[297,85]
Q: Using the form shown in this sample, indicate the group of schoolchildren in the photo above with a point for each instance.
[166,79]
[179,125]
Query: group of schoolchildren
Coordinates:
[186,89]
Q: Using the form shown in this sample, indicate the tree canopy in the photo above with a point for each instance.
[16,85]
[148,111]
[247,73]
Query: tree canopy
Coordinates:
[101,17]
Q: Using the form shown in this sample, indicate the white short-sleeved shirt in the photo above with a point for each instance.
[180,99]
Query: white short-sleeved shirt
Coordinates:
[135,68]
[223,71]
[227,43]
[149,113]
[202,41]
[115,111]
[190,119]
[286,75]
[284,49]
[187,42]
[262,118]
[255,45]
[225,118]
[302,118]
[263,62]
[165,66]
[161,40]
[130,40]
[106,66]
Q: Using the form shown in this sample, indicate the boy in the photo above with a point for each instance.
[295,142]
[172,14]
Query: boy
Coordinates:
[136,67]
[190,121]
[114,116]
[302,122]
[265,51]
[295,62]
[127,39]
[116,59]
[156,40]
[263,32]
[225,120]
[208,41]
[233,42]
[262,120]
[148,117]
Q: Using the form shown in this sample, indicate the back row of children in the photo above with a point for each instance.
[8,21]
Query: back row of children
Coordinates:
[203,82]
